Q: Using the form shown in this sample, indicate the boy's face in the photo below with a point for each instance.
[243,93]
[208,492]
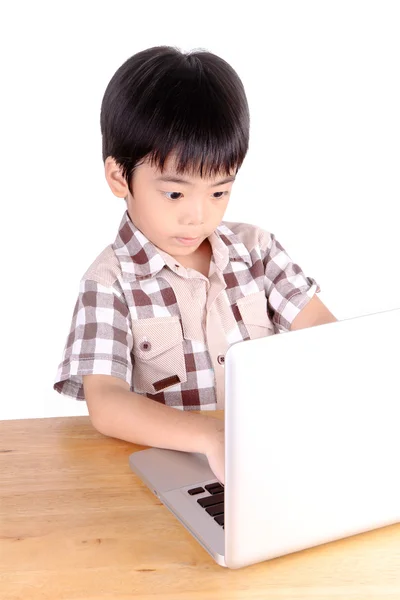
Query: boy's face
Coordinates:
[168,211]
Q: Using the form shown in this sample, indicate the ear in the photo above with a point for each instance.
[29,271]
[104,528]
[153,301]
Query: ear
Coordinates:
[115,180]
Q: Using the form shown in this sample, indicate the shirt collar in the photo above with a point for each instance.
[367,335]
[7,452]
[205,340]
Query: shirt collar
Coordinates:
[141,259]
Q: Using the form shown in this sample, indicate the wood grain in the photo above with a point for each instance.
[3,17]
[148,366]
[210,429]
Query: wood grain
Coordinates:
[77,524]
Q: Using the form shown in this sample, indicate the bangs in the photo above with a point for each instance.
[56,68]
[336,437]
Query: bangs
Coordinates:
[193,159]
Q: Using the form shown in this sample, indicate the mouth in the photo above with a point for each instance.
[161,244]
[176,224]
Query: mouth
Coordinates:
[188,241]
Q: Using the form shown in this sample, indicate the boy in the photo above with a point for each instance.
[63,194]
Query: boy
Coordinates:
[158,308]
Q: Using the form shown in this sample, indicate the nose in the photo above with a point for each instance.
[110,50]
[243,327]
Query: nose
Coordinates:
[194,213]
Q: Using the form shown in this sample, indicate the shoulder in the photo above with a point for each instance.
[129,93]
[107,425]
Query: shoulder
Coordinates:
[100,286]
[252,236]
[105,269]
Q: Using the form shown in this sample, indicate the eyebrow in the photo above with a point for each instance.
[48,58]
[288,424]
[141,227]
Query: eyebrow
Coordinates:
[175,179]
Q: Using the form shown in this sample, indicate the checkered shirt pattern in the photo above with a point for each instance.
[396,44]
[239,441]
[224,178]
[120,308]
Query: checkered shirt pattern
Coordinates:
[143,317]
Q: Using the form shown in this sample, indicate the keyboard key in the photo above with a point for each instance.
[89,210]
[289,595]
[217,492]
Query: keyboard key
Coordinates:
[195,491]
[214,488]
[220,520]
[217,509]
[210,500]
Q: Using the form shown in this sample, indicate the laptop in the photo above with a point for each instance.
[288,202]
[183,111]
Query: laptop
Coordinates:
[312,444]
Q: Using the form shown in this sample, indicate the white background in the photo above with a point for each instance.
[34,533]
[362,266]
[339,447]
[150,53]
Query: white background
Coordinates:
[322,172]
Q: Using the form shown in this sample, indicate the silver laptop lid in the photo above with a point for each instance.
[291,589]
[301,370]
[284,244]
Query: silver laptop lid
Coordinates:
[312,420]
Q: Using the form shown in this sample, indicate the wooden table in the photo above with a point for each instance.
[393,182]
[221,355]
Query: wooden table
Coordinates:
[77,524]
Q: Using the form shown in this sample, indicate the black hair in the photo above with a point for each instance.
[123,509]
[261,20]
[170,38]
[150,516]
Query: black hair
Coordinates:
[162,100]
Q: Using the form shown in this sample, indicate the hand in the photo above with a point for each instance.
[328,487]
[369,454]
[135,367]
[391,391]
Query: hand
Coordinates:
[215,452]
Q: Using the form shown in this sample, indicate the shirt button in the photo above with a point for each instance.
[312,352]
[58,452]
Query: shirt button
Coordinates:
[221,359]
[145,345]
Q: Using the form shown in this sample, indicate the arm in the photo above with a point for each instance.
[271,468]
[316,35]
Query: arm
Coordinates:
[314,313]
[117,412]
[286,287]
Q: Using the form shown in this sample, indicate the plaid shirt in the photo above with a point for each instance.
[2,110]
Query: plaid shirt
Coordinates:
[164,329]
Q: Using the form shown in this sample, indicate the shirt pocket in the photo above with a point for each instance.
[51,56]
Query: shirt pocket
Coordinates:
[159,358]
[253,310]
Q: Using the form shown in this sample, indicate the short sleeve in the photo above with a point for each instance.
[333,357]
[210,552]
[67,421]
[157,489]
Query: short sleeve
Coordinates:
[100,339]
[287,288]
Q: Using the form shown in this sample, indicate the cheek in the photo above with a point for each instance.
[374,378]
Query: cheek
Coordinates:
[147,213]
[221,207]
[152,208]
[159,216]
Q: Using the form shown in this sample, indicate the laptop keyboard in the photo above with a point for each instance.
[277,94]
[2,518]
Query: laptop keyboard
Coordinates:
[213,504]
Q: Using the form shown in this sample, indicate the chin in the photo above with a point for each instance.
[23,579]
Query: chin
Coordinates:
[185,250]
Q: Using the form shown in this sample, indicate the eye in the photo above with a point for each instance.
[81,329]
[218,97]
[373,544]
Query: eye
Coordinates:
[165,194]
